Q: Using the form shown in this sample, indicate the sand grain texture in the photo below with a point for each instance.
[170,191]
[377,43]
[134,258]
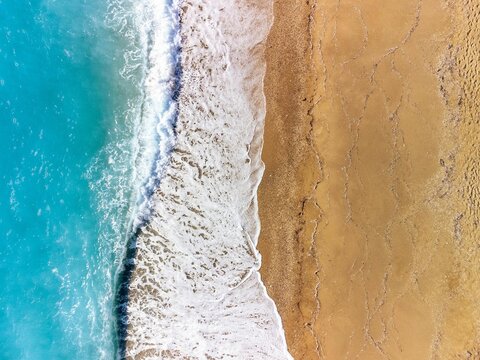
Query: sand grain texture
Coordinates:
[370,199]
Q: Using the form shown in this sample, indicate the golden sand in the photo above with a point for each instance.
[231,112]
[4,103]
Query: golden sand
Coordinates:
[370,203]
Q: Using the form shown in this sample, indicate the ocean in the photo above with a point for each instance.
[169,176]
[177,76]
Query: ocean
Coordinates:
[130,140]
[68,109]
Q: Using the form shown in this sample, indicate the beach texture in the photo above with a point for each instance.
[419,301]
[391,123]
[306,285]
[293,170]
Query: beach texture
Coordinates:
[370,200]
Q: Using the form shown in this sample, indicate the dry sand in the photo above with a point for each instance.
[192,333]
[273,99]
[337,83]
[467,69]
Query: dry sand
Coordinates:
[370,203]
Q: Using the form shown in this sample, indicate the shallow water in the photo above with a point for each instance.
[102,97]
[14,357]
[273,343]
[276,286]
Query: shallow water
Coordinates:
[66,148]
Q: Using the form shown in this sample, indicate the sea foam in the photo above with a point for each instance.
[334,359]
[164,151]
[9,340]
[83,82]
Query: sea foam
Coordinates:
[195,291]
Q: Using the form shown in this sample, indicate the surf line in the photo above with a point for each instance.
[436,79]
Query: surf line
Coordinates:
[158,24]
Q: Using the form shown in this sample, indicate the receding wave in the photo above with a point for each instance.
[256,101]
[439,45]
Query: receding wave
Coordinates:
[191,287]
[132,163]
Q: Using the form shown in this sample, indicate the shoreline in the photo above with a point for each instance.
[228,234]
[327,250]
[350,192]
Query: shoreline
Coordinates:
[368,203]
[195,291]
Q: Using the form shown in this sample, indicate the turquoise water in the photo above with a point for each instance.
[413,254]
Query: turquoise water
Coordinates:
[65,177]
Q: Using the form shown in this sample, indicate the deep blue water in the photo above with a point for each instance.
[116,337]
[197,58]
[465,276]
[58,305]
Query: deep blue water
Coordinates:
[65,174]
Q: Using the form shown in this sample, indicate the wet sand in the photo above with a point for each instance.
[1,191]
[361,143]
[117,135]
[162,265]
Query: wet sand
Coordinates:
[370,200]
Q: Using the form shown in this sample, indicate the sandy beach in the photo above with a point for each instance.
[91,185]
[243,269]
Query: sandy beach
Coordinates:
[370,201]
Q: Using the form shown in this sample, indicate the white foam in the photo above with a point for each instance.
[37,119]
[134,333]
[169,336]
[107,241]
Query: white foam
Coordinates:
[196,292]
[151,28]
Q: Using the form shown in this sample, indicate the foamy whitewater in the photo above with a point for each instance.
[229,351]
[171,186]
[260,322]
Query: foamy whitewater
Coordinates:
[195,291]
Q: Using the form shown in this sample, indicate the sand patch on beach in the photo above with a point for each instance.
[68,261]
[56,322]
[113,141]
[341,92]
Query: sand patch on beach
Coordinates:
[370,200]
